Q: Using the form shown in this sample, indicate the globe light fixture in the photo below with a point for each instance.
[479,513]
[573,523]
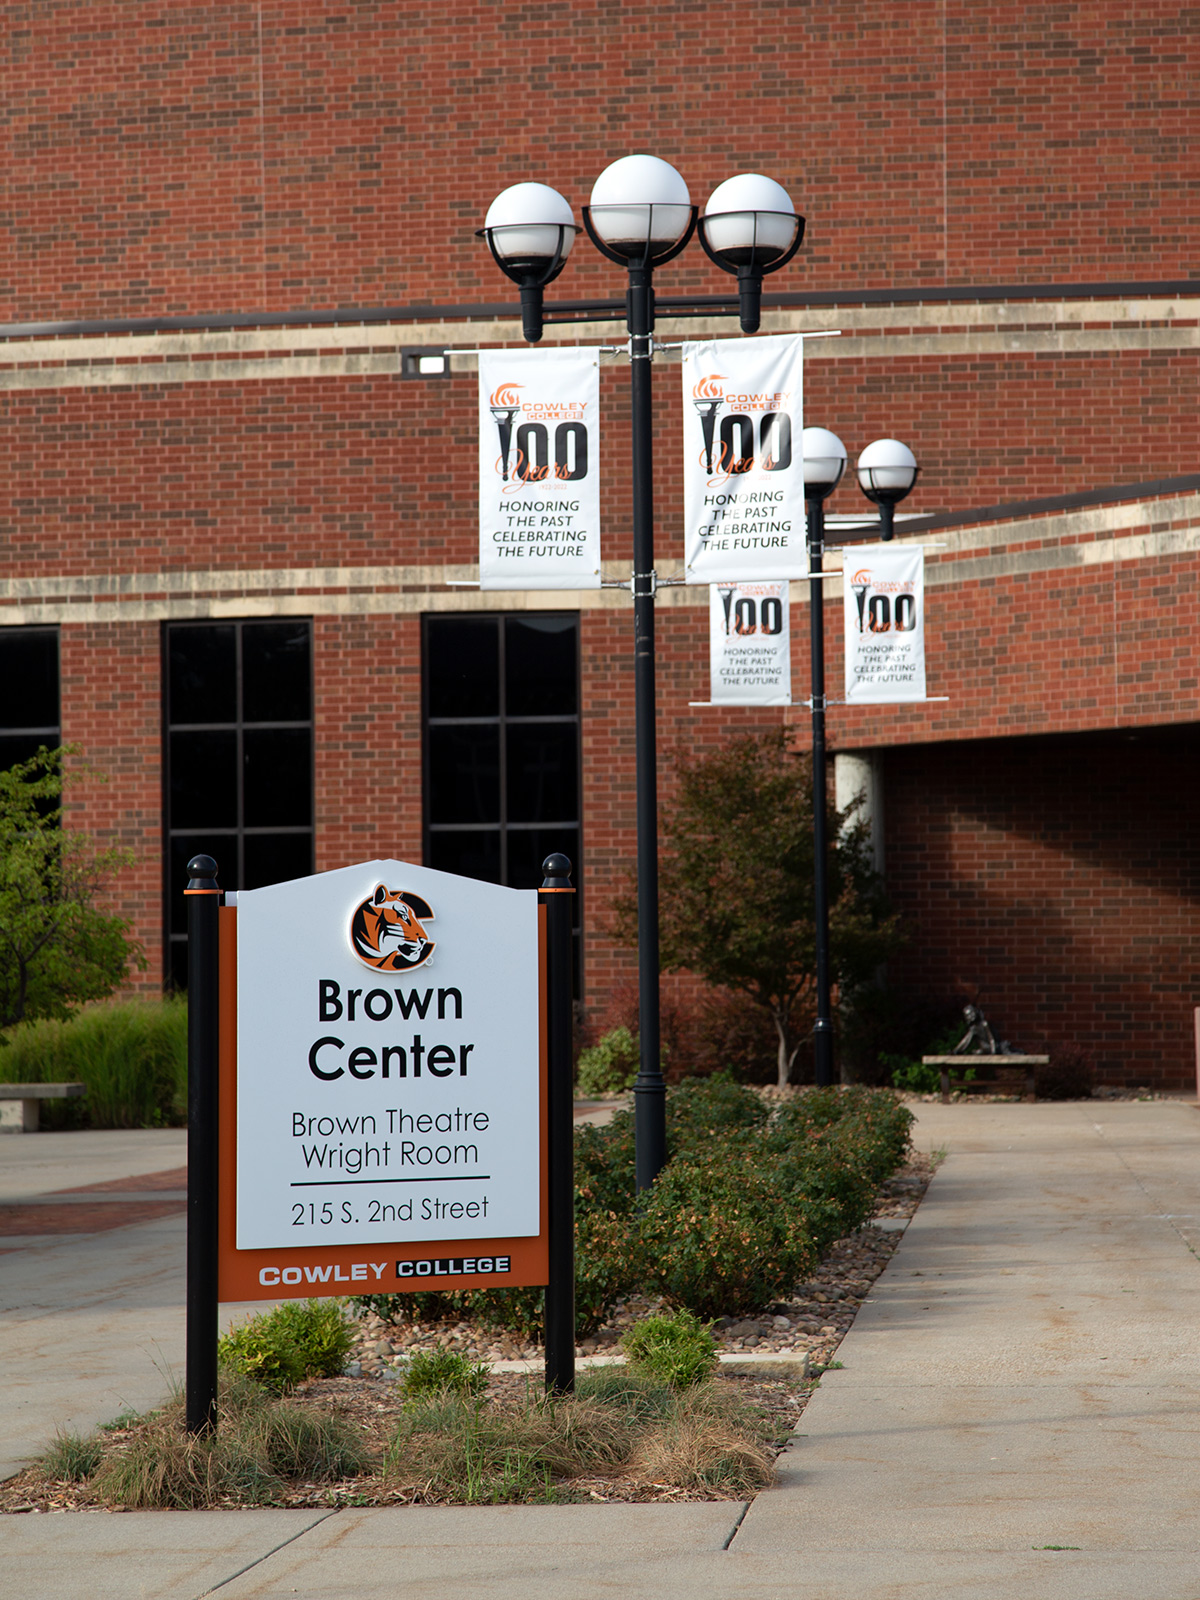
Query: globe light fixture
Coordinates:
[641,213]
[824,463]
[749,228]
[530,229]
[887,471]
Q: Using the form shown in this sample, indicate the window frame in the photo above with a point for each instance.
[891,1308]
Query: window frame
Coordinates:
[239,832]
[501,720]
[46,734]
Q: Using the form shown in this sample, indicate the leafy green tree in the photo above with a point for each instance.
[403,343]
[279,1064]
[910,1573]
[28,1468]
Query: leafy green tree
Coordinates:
[56,948]
[736,886]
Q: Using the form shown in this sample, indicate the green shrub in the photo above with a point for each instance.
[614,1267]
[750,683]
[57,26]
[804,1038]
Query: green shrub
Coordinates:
[132,1057]
[676,1350]
[698,1108]
[433,1372]
[748,1199]
[913,1077]
[718,1234]
[297,1340]
[609,1066]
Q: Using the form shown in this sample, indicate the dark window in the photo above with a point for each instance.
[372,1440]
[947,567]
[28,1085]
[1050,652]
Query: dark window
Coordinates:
[502,747]
[29,699]
[239,758]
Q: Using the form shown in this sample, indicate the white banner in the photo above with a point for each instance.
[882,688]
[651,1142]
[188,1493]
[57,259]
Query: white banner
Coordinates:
[750,657]
[743,466]
[539,469]
[884,612]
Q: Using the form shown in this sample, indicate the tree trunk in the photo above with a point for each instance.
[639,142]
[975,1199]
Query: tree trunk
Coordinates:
[787,1052]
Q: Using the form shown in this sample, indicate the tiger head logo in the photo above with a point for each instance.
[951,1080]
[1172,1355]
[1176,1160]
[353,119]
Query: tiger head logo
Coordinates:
[387,930]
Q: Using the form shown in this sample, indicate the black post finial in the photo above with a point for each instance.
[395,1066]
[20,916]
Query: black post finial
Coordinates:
[556,871]
[202,875]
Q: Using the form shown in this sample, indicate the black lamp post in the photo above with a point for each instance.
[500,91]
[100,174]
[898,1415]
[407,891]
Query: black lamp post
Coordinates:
[887,471]
[824,463]
[640,217]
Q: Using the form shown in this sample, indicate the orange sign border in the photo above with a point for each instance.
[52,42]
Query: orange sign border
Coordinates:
[239,1270]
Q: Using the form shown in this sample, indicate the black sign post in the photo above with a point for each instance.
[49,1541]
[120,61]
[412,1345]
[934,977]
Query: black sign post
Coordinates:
[556,892]
[204,899]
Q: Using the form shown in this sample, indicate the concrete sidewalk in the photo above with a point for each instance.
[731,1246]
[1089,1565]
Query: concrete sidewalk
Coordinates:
[1023,1376]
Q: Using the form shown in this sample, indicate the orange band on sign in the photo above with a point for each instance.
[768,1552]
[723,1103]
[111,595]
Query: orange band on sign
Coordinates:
[313,1270]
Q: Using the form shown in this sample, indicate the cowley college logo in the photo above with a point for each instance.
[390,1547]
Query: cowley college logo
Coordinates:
[387,930]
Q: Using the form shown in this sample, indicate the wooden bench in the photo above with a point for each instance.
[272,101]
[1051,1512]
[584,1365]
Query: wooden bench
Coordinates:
[19,1103]
[1030,1065]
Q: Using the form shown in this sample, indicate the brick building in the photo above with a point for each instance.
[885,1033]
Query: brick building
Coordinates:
[232,499]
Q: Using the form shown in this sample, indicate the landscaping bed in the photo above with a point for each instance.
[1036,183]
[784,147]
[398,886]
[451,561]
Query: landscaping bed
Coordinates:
[758,1243]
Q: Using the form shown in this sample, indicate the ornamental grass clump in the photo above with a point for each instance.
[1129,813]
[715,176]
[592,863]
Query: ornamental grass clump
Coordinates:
[260,1443]
[458,1448]
[72,1457]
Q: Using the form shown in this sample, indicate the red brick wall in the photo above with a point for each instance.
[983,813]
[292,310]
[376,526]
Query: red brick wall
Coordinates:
[110,708]
[609,793]
[375,470]
[1061,877]
[222,158]
[367,733]
[1098,646]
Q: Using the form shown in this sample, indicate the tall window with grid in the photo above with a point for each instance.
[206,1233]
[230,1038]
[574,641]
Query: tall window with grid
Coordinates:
[239,758]
[30,713]
[502,746]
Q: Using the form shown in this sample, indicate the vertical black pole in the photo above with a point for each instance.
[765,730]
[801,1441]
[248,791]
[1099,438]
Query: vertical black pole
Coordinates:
[823,1028]
[203,899]
[887,519]
[649,1088]
[557,893]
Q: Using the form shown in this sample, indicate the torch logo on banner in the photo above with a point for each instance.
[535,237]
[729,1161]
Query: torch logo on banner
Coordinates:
[708,400]
[861,584]
[504,405]
[386,930]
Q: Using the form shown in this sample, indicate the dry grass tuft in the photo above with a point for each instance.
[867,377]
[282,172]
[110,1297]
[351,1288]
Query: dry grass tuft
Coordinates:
[699,1452]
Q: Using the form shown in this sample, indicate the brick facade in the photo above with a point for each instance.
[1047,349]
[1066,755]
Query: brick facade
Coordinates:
[269,159]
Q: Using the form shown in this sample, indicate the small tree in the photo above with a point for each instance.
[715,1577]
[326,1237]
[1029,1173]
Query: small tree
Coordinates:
[56,948]
[736,885]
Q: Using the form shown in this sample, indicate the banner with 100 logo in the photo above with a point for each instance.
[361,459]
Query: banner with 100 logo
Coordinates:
[743,465]
[539,448]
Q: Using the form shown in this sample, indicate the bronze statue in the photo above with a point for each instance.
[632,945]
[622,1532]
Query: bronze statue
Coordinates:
[979,1039]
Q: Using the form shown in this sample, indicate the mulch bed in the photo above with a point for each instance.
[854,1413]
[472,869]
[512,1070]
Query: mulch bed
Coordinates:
[811,1322]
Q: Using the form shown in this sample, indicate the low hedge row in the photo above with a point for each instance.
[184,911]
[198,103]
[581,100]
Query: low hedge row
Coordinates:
[750,1198]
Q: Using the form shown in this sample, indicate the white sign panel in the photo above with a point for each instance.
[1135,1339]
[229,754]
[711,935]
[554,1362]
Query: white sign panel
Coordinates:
[884,613]
[750,655]
[387,1059]
[743,465]
[539,469]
